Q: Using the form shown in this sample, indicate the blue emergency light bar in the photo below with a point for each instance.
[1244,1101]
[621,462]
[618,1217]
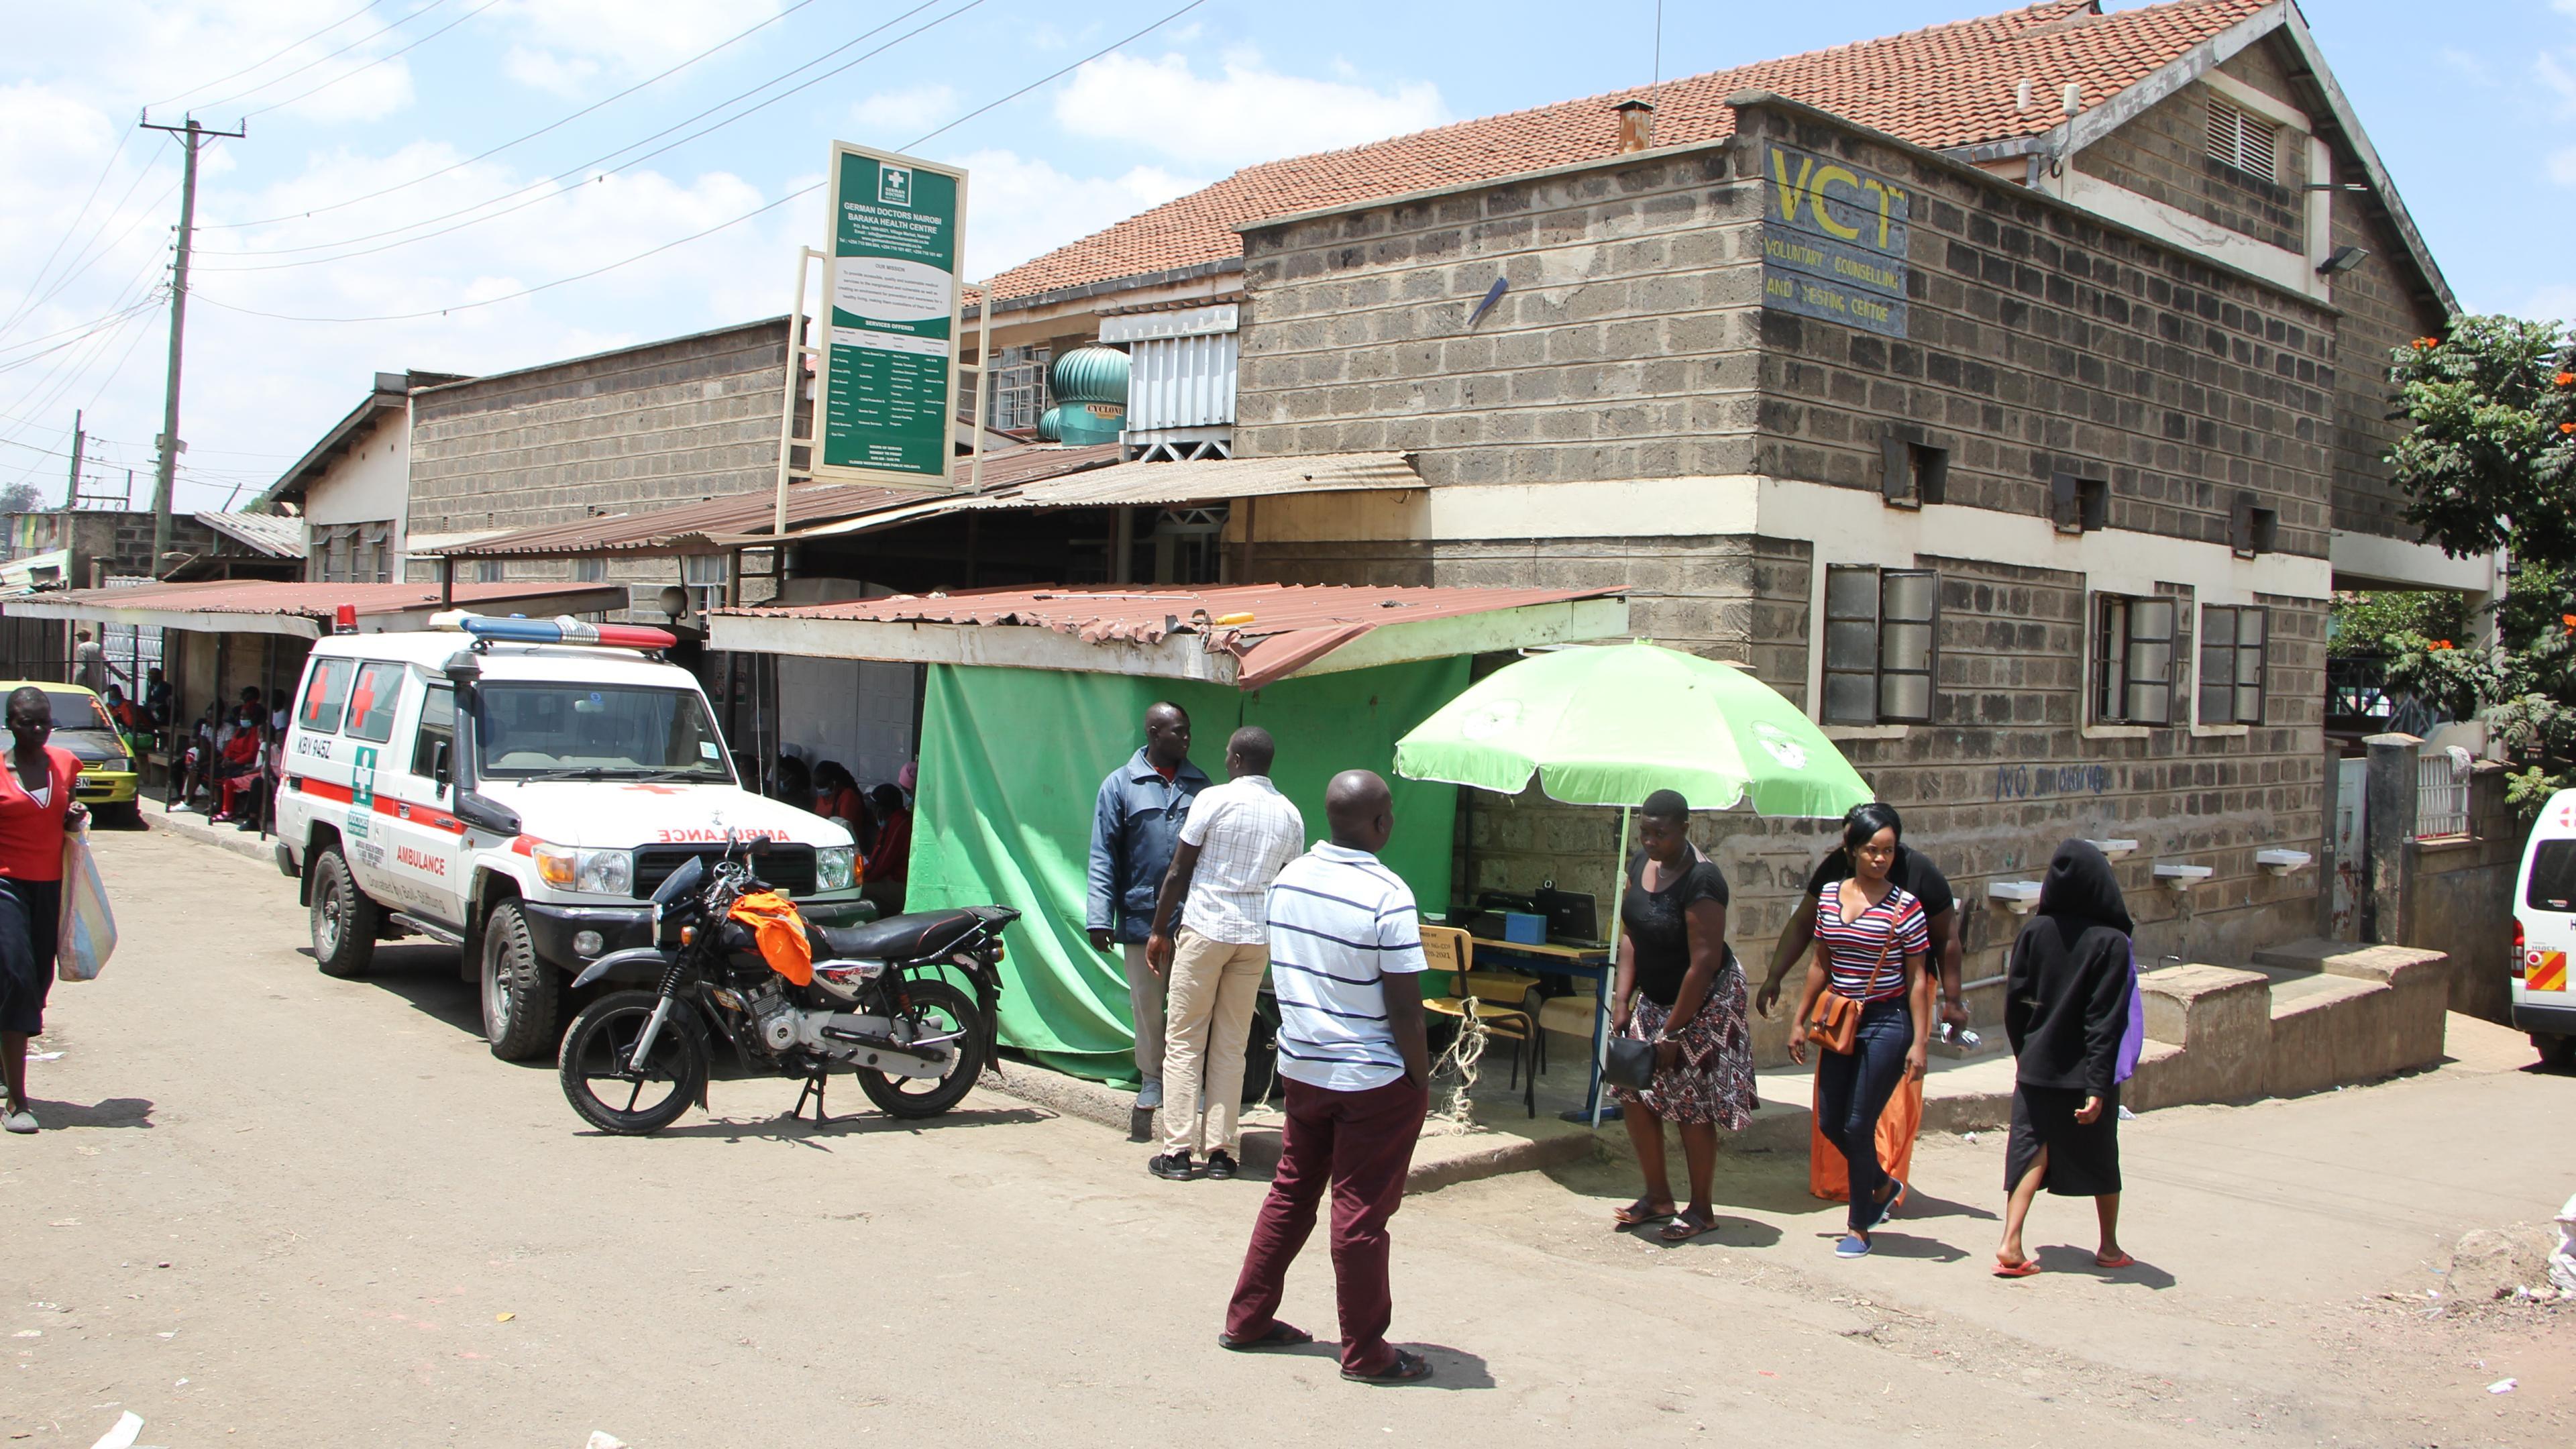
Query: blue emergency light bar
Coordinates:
[562,629]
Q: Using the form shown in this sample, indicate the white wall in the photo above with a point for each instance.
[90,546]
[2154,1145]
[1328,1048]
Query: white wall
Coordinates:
[858,712]
[371,483]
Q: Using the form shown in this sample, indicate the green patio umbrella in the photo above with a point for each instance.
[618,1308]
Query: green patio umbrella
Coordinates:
[1611,725]
[1607,726]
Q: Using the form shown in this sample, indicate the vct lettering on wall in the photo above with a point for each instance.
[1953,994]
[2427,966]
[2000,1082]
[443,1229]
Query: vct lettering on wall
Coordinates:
[2022,782]
[1833,240]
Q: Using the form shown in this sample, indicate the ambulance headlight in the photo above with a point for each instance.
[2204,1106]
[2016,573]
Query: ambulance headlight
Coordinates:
[833,867]
[597,872]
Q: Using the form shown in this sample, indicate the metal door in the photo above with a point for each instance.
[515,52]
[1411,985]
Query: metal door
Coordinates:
[2352,791]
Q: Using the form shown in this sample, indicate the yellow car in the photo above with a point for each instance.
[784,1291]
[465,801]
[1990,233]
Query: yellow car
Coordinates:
[83,726]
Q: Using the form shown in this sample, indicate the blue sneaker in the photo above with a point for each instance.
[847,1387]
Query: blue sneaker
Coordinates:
[1150,1095]
[1853,1245]
[1895,1191]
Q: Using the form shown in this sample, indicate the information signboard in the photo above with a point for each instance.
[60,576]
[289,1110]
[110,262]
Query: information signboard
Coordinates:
[1833,241]
[890,371]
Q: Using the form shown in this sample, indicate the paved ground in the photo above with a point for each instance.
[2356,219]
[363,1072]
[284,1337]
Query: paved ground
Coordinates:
[276,1209]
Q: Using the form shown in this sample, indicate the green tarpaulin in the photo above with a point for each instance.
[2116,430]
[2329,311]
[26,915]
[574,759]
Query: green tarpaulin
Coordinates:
[1012,759]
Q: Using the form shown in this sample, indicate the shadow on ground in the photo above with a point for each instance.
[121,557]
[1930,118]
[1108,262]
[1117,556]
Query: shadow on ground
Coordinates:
[112,1112]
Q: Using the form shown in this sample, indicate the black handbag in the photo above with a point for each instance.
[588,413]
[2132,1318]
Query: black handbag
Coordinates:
[1629,1063]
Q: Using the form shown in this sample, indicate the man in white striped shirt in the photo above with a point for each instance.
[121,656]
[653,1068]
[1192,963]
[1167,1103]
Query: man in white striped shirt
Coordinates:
[1346,957]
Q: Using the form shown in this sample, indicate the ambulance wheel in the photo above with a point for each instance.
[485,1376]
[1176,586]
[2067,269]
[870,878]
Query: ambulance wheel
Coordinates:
[344,919]
[2558,1053]
[521,994]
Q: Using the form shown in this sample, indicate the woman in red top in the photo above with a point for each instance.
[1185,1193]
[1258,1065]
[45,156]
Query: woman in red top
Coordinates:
[36,805]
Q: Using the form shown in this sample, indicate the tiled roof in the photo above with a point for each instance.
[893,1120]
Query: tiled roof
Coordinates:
[1945,86]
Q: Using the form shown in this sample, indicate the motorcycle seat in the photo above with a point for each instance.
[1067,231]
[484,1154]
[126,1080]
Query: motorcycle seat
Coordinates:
[896,938]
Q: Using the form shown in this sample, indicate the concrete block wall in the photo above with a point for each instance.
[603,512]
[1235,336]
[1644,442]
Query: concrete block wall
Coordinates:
[2164,154]
[2460,898]
[1623,346]
[2382,311]
[2040,341]
[672,422]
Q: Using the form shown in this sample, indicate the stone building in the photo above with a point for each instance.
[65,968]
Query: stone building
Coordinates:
[2011,394]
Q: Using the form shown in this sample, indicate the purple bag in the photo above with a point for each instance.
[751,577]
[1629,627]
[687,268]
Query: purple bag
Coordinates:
[2134,1040]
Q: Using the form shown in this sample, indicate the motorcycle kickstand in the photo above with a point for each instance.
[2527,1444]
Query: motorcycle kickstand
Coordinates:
[813,1089]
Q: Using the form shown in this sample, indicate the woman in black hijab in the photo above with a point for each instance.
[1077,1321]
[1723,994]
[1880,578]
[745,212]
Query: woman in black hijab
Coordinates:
[2066,1006]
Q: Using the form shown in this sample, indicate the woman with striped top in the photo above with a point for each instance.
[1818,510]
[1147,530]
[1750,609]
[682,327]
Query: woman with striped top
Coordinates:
[1871,941]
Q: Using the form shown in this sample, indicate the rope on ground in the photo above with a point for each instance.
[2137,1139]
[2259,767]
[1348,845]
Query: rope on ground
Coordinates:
[1455,1114]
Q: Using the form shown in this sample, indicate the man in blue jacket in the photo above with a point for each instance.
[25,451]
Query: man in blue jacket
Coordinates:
[1135,827]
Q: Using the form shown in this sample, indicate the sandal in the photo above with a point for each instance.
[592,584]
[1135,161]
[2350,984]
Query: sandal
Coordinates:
[2022,1269]
[1689,1225]
[1280,1335]
[2114,1263]
[1408,1368]
[1641,1212]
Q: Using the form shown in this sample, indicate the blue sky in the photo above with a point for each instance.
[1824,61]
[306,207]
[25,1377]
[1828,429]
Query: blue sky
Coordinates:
[2472,104]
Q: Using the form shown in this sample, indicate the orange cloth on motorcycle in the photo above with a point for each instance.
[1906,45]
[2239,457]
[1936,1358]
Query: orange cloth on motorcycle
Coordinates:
[780,930]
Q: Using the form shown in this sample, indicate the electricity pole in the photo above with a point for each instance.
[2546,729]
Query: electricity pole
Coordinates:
[71,496]
[192,136]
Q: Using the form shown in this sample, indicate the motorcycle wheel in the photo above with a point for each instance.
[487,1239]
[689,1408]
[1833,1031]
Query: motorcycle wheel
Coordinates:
[938,1009]
[598,1082]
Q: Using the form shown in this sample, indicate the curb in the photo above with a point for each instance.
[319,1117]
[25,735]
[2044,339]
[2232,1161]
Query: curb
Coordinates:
[191,826]
[1488,1155]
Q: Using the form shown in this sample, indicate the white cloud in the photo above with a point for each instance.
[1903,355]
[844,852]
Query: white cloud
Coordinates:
[1018,207]
[546,71]
[892,118]
[631,36]
[1248,113]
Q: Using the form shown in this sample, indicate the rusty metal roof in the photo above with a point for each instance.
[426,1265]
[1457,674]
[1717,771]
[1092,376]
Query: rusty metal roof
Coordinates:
[1271,631]
[294,600]
[715,524]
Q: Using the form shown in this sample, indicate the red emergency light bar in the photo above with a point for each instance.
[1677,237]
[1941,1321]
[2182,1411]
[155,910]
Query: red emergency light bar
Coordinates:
[565,629]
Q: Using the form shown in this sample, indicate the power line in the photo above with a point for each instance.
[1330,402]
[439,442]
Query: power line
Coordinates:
[319,59]
[723,225]
[89,251]
[555,124]
[123,139]
[379,60]
[539,187]
[274,55]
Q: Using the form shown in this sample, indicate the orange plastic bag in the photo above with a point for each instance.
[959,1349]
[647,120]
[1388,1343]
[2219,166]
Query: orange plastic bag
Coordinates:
[780,930]
[1828,1178]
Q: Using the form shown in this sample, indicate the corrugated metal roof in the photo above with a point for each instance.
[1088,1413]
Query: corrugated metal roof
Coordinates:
[717,523]
[1272,630]
[298,600]
[1205,480]
[274,534]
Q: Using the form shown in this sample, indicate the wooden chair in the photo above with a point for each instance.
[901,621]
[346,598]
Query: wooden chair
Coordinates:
[1505,1003]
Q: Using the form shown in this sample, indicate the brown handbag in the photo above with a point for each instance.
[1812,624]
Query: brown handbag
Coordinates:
[1834,1024]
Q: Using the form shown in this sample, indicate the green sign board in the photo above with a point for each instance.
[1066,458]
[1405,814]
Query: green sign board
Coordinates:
[891,352]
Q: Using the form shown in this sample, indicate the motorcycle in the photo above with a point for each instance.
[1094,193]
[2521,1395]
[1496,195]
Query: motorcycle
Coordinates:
[879,1007]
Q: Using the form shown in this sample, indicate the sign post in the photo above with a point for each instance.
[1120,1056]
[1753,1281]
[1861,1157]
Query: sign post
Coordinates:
[890,314]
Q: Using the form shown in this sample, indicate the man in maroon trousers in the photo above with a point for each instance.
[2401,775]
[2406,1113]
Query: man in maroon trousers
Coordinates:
[1345,958]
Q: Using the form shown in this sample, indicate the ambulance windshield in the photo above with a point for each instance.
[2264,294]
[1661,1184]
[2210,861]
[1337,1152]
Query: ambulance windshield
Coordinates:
[530,731]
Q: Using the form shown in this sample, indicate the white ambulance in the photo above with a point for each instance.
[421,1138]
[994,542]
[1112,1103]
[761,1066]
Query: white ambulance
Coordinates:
[517,788]
[2544,933]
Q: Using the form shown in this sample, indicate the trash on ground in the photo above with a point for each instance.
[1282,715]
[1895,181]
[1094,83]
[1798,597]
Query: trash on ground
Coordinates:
[2128,1116]
[128,1425]
[2502,1386]
[602,1439]
[503,1317]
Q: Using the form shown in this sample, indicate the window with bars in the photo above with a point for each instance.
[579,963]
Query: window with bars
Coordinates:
[491,570]
[589,570]
[2239,138]
[703,575]
[1880,628]
[2133,660]
[2232,649]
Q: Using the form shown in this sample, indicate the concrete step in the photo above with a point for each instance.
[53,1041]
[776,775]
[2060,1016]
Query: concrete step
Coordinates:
[2310,1015]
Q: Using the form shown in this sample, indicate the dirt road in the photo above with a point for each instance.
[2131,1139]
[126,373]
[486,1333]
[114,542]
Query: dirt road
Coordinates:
[271,1208]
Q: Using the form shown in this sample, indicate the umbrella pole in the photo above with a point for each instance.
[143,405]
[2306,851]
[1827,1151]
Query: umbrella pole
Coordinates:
[1609,982]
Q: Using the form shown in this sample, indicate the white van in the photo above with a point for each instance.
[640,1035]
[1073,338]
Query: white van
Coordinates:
[517,788]
[2544,933]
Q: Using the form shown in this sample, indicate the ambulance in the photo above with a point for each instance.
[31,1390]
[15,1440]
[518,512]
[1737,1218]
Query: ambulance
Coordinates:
[517,788]
[2544,933]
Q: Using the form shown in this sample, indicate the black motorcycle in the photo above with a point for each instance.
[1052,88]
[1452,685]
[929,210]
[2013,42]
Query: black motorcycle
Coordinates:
[879,1007]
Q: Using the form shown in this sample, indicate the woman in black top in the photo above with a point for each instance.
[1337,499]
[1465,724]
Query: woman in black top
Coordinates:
[1672,954]
[2066,1006]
